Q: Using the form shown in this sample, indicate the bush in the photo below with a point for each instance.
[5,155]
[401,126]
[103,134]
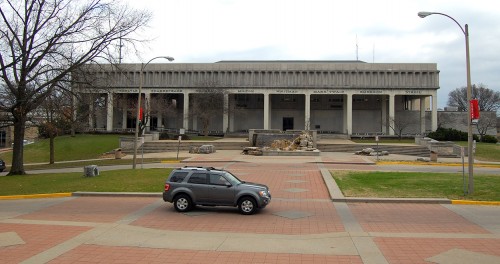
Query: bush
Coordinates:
[184,137]
[166,135]
[450,134]
[489,139]
[163,136]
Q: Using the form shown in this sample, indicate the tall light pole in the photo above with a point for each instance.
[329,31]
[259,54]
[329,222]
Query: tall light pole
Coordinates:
[470,153]
[138,117]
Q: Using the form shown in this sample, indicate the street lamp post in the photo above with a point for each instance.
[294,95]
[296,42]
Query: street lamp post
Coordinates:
[470,153]
[138,117]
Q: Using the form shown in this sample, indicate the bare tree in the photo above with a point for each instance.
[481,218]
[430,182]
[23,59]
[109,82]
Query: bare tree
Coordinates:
[44,41]
[54,118]
[486,123]
[489,100]
[207,104]
[399,125]
[164,105]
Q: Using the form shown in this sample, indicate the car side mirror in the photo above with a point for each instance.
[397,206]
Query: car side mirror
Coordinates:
[228,184]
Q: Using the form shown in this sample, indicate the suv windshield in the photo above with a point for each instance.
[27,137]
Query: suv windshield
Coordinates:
[231,178]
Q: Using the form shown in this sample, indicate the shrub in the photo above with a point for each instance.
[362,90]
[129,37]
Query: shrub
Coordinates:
[163,136]
[166,135]
[449,134]
[489,139]
[184,137]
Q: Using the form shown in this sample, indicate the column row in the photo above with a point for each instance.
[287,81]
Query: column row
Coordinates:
[387,108]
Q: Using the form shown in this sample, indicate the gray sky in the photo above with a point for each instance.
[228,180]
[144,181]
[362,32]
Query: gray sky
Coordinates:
[380,31]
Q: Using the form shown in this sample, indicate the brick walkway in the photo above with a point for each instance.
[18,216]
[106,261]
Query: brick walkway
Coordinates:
[301,225]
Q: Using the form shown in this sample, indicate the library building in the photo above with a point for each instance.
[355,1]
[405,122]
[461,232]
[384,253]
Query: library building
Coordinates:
[330,97]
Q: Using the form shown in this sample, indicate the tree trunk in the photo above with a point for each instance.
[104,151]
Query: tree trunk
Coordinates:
[206,123]
[52,137]
[17,167]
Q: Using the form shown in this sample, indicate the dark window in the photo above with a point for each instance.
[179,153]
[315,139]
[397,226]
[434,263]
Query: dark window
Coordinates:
[178,176]
[198,178]
[217,179]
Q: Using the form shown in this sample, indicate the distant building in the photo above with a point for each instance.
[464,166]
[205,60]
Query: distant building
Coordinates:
[332,97]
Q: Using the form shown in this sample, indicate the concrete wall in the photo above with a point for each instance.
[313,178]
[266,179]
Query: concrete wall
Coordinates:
[458,120]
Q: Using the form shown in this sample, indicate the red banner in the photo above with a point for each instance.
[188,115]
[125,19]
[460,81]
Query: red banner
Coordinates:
[474,109]
[140,114]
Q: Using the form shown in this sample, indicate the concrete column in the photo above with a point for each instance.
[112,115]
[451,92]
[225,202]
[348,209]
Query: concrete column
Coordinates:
[147,103]
[422,115]
[109,112]
[195,122]
[231,114]
[391,114]
[267,112]
[383,105]
[124,118]
[307,112]
[225,118]
[185,113]
[91,112]
[348,114]
[434,118]
[159,118]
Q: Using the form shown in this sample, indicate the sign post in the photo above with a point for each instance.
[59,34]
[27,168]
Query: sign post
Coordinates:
[181,132]
[462,154]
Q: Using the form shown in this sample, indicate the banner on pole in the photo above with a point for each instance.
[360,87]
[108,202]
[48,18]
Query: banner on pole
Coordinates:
[474,110]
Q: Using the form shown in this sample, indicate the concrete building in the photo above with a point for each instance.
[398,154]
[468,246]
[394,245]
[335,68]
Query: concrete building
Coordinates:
[332,97]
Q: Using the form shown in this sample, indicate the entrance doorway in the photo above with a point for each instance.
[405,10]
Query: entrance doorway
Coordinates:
[287,123]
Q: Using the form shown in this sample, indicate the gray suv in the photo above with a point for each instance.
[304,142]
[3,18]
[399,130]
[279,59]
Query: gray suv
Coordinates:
[189,186]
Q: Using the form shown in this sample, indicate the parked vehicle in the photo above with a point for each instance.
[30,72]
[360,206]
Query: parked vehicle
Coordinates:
[190,186]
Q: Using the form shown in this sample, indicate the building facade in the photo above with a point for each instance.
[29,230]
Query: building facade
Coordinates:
[334,97]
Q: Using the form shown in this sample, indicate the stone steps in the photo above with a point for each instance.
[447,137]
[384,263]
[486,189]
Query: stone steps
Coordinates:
[172,146]
[392,149]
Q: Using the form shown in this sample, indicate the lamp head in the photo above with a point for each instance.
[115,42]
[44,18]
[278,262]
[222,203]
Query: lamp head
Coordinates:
[424,14]
[169,58]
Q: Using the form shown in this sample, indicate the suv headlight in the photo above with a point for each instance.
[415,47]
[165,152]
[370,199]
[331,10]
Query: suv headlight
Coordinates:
[264,194]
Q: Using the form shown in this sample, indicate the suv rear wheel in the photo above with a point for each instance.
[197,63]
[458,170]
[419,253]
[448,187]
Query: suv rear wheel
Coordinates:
[247,205]
[182,203]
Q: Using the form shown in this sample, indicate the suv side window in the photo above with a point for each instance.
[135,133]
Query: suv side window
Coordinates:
[178,176]
[218,179]
[198,178]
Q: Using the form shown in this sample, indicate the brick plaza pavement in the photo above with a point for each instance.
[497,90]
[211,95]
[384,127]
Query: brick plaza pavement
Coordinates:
[301,225]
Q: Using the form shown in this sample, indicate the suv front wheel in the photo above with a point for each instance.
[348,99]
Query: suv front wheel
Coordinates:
[247,205]
[182,203]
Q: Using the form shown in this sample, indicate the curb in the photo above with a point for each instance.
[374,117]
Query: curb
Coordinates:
[451,164]
[393,200]
[35,196]
[469,202]
[116,194]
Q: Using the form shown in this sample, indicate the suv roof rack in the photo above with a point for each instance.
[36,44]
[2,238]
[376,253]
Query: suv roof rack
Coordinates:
[197,168]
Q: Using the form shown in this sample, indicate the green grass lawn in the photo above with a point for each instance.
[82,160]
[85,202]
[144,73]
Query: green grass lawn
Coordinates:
[67,148]
[484,151]
[140,180]
[415,185]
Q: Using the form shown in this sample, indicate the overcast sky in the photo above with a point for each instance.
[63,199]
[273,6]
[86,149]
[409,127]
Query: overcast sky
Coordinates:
[380,31]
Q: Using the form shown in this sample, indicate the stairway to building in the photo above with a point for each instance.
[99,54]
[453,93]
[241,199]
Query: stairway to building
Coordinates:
[172,146]
[418,151]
